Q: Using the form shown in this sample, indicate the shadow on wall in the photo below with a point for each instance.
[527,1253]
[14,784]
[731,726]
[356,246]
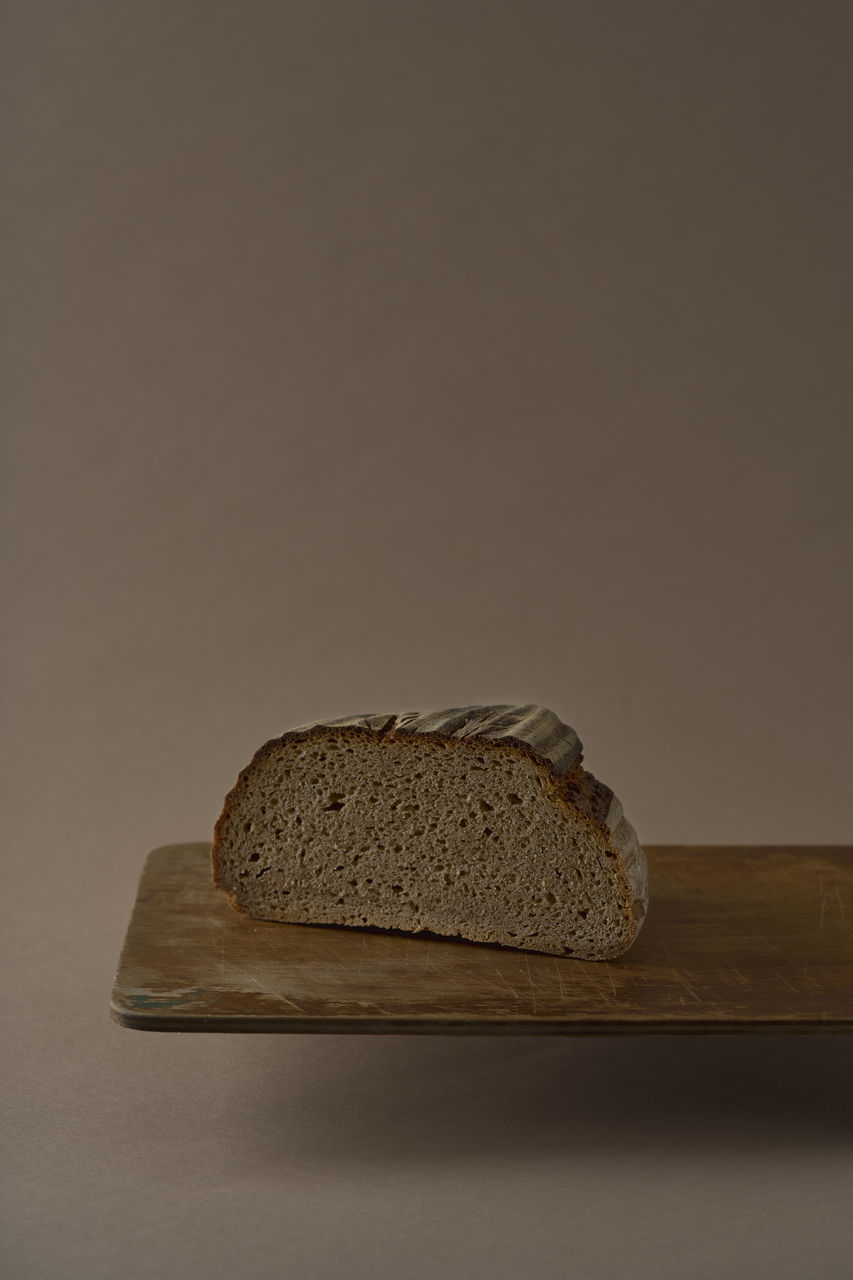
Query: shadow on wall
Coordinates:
[361,1101]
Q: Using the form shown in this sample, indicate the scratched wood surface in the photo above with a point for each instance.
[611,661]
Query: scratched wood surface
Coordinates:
[736,940]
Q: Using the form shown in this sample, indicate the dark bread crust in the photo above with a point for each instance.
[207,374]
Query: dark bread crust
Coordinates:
[535,729]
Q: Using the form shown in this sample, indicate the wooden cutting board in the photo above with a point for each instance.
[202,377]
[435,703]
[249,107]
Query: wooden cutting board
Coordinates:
[736,940]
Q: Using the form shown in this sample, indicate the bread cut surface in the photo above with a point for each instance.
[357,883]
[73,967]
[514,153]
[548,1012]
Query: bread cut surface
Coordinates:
[478,822]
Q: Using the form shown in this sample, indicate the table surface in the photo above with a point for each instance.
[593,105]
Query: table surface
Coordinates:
[737,939]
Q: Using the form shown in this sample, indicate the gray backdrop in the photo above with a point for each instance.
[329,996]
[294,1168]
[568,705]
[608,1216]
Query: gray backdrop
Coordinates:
[376,357]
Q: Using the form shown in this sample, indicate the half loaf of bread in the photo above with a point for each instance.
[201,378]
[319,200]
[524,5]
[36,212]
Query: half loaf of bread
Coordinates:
[477,822]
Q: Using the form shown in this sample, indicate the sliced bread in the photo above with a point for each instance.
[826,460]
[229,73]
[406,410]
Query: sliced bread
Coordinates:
[477,822]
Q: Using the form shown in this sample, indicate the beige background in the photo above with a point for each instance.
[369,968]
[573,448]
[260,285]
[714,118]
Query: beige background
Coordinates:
[374,356]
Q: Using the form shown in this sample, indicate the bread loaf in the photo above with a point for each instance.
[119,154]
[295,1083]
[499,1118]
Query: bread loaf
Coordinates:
[478,822]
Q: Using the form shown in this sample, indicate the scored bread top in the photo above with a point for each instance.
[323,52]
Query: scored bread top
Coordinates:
[534,728]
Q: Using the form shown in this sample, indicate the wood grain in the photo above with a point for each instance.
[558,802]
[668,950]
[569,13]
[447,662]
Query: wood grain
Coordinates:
[737,940]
